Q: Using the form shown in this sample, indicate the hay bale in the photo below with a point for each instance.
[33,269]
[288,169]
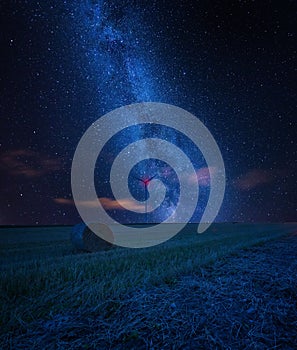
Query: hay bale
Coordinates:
[83,238]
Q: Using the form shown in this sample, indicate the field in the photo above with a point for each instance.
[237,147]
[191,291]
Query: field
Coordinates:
[54,297]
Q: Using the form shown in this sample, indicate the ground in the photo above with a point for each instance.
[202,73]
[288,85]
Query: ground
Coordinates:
[245,300]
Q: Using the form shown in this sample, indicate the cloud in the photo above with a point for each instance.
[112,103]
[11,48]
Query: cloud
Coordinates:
[28,163]
[119,204]
[255,178]
[203,175]
[107,203]
[64,201]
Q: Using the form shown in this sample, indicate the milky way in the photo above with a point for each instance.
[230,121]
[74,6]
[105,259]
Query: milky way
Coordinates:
[118,52]
[120,60]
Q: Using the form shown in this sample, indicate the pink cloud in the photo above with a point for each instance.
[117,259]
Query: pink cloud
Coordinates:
[254,178]
[64,201]
[28,163]
[107,203]
[203,175]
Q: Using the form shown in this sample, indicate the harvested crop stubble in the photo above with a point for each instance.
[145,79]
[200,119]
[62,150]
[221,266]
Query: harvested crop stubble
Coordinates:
[247,300]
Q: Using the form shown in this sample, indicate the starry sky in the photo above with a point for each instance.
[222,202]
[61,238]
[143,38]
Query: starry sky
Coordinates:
[66,63]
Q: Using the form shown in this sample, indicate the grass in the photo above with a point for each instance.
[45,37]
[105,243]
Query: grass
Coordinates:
[41,275]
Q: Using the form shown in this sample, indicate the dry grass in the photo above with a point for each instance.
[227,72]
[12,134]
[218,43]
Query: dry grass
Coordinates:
[167,297]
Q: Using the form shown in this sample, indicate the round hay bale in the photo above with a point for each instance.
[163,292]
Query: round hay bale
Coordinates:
[83,238]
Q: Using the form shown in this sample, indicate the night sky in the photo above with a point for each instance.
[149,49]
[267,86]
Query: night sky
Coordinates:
[66,63]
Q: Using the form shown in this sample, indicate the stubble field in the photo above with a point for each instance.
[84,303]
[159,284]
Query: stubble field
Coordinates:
[232,287]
